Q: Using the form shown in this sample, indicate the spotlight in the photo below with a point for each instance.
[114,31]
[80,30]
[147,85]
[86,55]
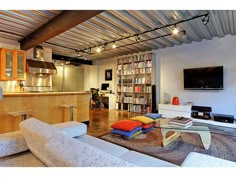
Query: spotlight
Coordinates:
[68,62]
[137,38]
[98,49]
[104,46]
[89,50]
[205,19]
[184,35]
[114,45]
[175,30]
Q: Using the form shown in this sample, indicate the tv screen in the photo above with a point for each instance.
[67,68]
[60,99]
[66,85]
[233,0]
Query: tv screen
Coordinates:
[205,78]
[104,86]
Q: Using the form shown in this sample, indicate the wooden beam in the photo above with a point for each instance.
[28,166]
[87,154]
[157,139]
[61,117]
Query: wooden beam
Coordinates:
[61,23]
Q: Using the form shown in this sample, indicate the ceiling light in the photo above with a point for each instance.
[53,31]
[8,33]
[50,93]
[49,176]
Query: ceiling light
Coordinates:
[114,45]
[184,35]
[104,46]
[137,38]
[205,19]
[175,30]
[98,49]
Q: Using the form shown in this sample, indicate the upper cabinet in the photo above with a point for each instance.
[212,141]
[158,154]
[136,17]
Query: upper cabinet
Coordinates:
[12,64]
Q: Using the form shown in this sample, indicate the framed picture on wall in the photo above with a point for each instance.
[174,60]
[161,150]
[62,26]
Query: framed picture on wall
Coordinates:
[108,74]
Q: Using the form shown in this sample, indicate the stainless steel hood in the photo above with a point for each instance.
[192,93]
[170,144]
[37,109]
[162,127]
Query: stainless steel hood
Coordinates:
[40,67]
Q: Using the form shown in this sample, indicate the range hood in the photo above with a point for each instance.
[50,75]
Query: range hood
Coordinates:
[40,67]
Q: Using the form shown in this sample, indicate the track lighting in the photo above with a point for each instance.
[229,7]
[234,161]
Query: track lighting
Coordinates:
[175,30]
[98,49]
[205,19]
[114,45]
[184,35]
[137,38]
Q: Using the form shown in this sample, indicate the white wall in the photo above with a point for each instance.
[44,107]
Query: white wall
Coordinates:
[102,66]
[200,54]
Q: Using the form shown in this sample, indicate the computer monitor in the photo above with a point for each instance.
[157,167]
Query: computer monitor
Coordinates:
[104,86]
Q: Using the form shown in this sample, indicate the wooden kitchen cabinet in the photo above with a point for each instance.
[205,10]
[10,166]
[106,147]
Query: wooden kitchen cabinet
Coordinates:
[12,64]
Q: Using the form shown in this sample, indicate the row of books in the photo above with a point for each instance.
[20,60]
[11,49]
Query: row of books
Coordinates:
[145,64]
[135,58]
[134,71]
[135,80]
[142,89]
[139,108]
[137,100]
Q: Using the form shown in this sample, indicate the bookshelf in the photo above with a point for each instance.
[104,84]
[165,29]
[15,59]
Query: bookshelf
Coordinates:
[134,87]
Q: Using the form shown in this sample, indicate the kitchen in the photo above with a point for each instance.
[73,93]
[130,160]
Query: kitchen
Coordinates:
[48,90]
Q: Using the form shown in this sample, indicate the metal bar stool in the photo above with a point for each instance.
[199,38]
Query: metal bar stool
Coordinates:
[23,114]
[71,110]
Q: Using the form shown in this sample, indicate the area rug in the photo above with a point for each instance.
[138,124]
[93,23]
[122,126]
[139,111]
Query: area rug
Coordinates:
[222,146]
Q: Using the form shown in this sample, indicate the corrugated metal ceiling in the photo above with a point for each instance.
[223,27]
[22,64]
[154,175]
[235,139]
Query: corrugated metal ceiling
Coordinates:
[113,25]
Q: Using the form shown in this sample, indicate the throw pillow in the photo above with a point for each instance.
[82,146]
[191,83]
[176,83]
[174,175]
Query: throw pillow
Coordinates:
[143,119]
[126,125]
[146,126]
[125,133]
[153,115]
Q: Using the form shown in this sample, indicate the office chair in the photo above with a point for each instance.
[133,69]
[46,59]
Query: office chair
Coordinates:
[96,100]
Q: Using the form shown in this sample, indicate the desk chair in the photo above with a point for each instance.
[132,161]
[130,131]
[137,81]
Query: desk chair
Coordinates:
[96,100]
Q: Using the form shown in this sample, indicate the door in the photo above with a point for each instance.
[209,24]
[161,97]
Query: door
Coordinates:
[20,65]
[7,63]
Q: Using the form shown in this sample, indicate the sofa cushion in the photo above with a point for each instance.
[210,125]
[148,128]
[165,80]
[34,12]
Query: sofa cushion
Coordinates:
[64,151]
[126,125]
[145,160]
[195,159]
[56,149]
[72,128]
[103,145]
[153,115]
[142,119]
[23,159]
[12,143]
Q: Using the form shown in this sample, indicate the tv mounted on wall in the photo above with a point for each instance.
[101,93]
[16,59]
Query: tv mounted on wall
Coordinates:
[204,78]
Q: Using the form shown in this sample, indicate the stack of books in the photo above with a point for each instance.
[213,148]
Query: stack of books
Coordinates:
[181,121]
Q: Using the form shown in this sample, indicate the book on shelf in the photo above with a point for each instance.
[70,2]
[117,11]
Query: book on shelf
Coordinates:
[180,121]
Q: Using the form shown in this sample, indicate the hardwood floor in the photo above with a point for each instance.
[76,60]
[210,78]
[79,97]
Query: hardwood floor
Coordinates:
[101,120]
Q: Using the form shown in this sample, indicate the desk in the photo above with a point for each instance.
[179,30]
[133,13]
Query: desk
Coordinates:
[109,100]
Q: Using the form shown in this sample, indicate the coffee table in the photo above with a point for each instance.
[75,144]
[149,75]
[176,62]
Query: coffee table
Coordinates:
[203,131]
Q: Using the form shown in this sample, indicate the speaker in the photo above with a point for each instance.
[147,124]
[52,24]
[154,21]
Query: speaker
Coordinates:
[201,112]
[224,118]
[154,98]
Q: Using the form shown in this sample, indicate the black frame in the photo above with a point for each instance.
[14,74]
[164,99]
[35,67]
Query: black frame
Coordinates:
[108,74]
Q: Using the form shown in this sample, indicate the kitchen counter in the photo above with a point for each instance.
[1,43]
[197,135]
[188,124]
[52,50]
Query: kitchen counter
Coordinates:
[14,94]
[50,107]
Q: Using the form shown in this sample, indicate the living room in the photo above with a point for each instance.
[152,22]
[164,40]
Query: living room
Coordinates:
[169,65]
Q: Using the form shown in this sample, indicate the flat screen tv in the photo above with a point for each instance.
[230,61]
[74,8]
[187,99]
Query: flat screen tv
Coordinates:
[104,86]
[204,78]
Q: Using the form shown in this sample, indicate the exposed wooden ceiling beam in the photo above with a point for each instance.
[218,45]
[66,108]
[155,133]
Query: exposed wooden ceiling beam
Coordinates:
[61,23]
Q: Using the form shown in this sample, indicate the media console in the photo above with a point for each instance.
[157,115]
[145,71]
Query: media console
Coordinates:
[170,111]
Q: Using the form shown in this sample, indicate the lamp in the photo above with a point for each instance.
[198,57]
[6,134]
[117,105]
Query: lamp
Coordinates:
[1,95]
[114,45]
[175,30]
[98,49]
[205,19]
[137,38]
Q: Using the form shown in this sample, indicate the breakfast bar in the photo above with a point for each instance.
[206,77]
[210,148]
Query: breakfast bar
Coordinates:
[45,106]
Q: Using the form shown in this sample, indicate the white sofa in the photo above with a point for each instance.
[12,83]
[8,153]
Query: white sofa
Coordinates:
[54,146]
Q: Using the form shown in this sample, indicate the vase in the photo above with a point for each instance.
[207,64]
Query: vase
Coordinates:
[175,100]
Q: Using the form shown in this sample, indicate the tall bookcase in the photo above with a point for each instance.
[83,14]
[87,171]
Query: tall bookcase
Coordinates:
[135,80]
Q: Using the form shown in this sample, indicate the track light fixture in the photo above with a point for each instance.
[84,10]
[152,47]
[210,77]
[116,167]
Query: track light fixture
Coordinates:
[105,47]
[114,45]
[98,50]
[205,19]
[137,38]
[175,30]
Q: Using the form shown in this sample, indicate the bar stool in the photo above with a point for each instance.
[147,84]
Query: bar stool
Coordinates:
[23,114]
[71,110]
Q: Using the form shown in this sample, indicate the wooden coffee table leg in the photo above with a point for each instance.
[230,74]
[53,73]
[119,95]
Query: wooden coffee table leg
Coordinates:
[166,141]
